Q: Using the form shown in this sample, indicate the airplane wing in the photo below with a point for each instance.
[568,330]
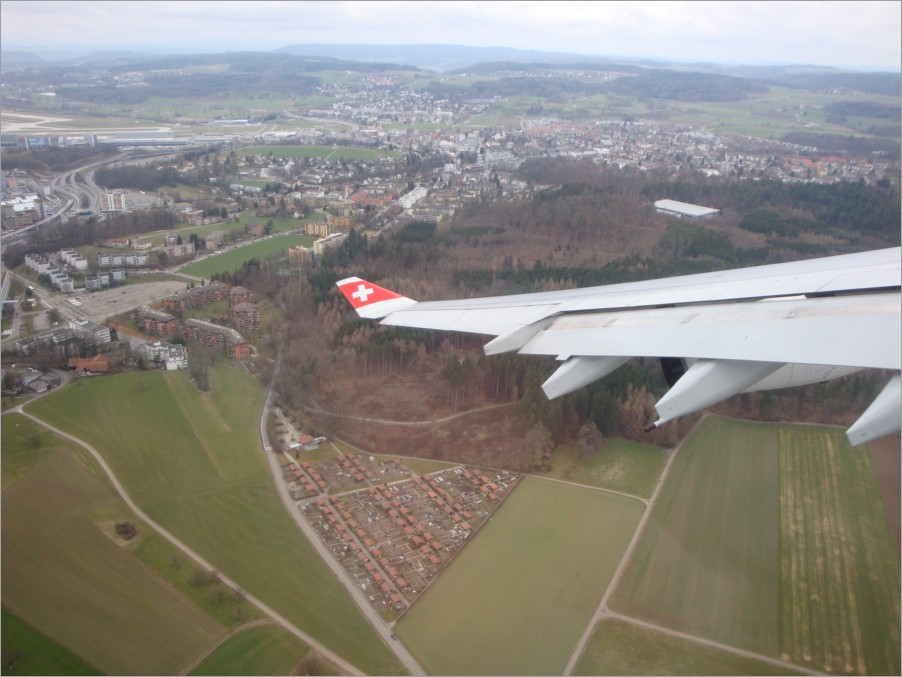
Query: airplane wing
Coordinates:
[717,334]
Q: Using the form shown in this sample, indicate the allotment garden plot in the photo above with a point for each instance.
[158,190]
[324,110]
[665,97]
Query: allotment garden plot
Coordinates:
[392,531]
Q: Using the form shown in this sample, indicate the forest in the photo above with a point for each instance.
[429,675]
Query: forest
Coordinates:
[55,159]
[333,361]
[641,83]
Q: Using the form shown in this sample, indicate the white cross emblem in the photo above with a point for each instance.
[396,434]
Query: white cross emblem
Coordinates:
[362,293]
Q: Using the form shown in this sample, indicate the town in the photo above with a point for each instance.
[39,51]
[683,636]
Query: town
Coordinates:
[392,499]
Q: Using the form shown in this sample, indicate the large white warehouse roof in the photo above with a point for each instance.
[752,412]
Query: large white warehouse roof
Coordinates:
[684,209]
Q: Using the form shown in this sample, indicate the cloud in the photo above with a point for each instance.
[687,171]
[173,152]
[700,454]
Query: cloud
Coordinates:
[839,33]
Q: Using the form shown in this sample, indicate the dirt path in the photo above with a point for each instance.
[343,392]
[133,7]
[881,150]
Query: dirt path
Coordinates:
[604,612]
[413,424]
[340,662]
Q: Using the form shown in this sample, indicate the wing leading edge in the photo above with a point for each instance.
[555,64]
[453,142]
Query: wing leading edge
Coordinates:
[736,331]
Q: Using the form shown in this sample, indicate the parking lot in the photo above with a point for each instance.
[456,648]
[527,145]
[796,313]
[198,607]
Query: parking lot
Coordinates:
[100,305]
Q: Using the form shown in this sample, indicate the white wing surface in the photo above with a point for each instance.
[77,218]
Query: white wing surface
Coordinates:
[735,330]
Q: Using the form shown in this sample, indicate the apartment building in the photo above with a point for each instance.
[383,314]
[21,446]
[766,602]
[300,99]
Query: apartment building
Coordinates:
[179,251]
[170,355]
[72,258]
[299,256]
[133,260]
[91,332]
[244,316]
[240,295]
[224,339]
[318,229]
[324,244]
[155,322]
[197,296]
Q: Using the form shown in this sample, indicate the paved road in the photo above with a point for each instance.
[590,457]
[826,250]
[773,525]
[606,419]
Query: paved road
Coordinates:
[291,506]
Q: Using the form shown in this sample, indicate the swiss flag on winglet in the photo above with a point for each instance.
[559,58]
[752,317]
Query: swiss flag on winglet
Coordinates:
[361,293]
[370,300]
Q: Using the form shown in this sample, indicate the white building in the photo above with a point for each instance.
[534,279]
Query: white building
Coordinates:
[172,355]
[92,332]
[37,263]
[128,260]
[324,244]
[684,209]
[410,199]
[72,258]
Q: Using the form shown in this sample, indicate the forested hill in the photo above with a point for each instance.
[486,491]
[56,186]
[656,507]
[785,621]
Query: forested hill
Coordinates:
[541,81]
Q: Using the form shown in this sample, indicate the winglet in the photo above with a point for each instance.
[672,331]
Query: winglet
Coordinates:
[370,300]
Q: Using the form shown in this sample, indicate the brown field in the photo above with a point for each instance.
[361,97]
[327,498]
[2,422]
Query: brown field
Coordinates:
[886,456]
[417,421]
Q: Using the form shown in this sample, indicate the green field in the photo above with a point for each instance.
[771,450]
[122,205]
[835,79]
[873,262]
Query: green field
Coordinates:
[621,465]
[336,153]
[795,560]
[618,648]
[194,463]
[839,570]
[29,652]
[517,599]
[718,581]
[65,576]
[280,225]
[258,650]
[232,260]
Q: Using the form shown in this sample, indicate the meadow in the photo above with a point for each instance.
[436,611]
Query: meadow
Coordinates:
[336,153]
[795,560]
[516,600]
[29,652]
[839,572]
[619,648]
[621,465]
[66,577]
[194,463]
[258,650]
[226,262]
[280,225]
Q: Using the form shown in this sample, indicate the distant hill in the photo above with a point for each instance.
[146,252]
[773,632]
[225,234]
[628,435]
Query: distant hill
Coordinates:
[434,57]
[109,57]
[19,57]
[271,63]
[651,76]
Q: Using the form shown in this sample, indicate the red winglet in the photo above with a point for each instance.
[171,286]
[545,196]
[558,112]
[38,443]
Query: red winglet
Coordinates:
[370,300]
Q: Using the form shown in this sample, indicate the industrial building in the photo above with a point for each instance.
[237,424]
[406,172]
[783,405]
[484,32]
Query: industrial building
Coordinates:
[684,210]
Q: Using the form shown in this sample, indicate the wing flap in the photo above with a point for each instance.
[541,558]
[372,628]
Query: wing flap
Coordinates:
[860,331]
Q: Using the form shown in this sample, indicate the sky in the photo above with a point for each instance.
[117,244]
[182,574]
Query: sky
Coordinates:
[858,35]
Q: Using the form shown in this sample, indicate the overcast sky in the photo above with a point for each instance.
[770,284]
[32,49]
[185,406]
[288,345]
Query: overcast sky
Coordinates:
[859,35]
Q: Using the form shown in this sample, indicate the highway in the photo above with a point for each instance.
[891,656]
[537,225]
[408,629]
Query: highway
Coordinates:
[78,184]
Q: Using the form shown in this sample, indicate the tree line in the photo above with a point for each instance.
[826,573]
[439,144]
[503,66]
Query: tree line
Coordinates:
[324,342]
